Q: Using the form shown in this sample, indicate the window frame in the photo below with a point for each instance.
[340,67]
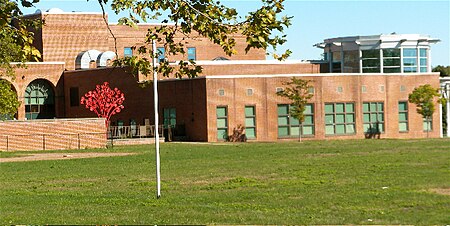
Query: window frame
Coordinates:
[387,57]
[189,55]
[250,117]
[412,59]
[376,112]
[126,50]
[161,52]
[168,117]
[225,128]
[420,57]
[404,111]
[376,68]
[345,114]
[291,122]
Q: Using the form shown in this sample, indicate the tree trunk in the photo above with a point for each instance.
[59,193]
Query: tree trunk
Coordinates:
[300,133]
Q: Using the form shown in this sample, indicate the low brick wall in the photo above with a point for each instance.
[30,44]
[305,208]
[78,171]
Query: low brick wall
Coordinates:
[52,134]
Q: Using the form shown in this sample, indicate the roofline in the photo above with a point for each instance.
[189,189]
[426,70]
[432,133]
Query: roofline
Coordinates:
[249,62]
[318,75]
[39,63]
[298,75]
[147,24]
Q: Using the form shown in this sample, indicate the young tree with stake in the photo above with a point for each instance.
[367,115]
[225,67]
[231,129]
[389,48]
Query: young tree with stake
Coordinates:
[298,91]
[424,99]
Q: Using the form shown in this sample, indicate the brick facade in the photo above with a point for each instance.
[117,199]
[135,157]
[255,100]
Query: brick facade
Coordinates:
[223,83]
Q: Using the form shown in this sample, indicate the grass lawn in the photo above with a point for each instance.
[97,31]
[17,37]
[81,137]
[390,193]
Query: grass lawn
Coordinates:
[314,182]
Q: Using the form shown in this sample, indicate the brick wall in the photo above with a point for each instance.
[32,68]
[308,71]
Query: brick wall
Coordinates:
[379,88]
[55,134]
[65,35]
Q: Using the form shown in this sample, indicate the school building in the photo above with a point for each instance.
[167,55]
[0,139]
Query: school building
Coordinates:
[360,89]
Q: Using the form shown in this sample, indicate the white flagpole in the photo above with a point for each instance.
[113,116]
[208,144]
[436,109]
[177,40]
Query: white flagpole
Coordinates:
[155,96]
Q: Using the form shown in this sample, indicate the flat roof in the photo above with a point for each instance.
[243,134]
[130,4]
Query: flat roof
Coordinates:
[393,37]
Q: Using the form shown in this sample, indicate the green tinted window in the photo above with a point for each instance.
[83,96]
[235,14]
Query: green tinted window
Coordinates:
[222,123]
[329,108]
[221,112]
[289,126]
[365,107]
[283,109]
[373,117]
[340,121]
[339,108]
[249,122]
[402,106]
[249,111]
[283,120]
[349,108]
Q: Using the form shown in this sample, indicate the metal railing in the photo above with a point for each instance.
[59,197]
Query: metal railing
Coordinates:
[138,131]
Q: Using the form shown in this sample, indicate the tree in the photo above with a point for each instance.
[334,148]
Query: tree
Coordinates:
[206,18]
[9,102]
[298,91]
[104,101]
[424,99]
[445,71]
[15,46]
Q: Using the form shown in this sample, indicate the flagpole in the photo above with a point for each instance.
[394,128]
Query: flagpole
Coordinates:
[155,96]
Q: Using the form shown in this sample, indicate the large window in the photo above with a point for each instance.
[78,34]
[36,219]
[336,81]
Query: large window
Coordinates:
[170,117]
[423,60]
[336,62]
[351,62]
[250,122]
[288,126]
[371,61]
[403,116]
[409,60]
[222,123]
[39,100]
[391,61]
[192,53]
[373,117]
[339,118]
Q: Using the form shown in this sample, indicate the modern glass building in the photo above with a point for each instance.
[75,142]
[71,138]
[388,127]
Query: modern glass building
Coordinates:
[393,53]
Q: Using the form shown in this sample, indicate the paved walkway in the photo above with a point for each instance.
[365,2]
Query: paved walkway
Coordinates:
[60,156]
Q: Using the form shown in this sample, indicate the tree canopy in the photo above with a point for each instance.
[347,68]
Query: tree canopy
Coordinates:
[16,39]
[15,46]
[8,101]
[424,98]
[263,28]
[445,71]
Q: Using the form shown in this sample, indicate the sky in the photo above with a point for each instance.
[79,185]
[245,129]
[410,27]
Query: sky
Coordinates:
[317,20]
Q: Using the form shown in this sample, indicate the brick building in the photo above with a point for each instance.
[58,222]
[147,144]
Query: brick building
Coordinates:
[363,94]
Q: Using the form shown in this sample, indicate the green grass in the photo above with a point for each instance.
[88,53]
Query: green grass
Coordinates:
[314,182]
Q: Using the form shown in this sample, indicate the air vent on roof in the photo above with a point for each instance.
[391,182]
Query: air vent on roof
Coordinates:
[85,58]
[220,58]
[105,59]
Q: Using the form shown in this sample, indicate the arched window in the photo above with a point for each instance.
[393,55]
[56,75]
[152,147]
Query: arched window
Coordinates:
[39,100]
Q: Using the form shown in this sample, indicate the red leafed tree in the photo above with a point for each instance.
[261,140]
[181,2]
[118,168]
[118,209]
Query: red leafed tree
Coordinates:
[104,101]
